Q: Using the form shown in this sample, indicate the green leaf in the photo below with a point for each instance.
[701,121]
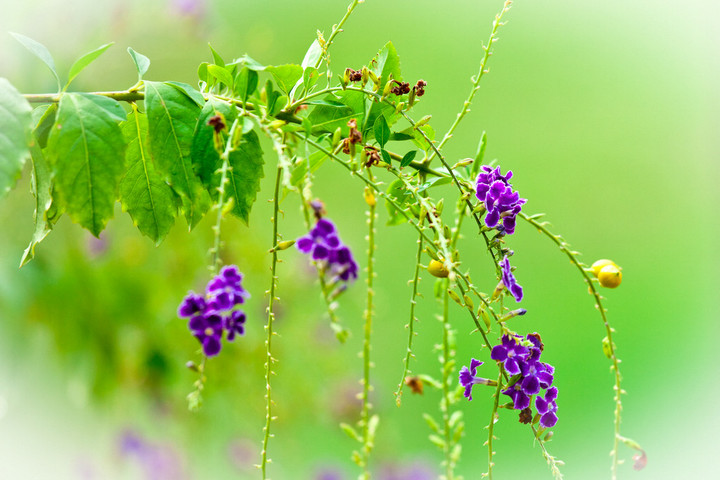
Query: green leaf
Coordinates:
[112,107]
[301,168]
[172,116]
[434,182]
[15,135]
[406,134]
[203,72]
[286,75]
[385,156]
[144,194]
[408,158]
[42,188]
[386,64]
[272,97]
[87,153]
[381,131]
[43,119]
[216,57]
[247,163]
[480,155]
[327,118]
[40,51]
[84,61]
[205,158]
[142,63]
[245,83]
[249,62]
[221,74]
[191,93]
[420,139]
[312,55]
[399,193]
[310,78]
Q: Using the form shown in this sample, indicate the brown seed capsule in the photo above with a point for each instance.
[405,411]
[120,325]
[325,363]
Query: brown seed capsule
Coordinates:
[415,384]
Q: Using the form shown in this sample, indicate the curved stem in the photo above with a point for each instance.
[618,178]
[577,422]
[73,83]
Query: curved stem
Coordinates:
[564,247]
[493,419]
[269,360]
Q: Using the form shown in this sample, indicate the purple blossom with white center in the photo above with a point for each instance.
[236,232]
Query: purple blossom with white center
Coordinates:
[501,202]
[521,400]
[324,246]
[511,353]
[508,279]
[214,314]
[546,408]
[468,378]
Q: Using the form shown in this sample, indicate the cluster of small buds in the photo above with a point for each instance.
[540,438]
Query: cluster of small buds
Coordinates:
[325,247]
[420,88]
[521,359]
[353,75]
[401,88]
[354,137]
[213,314]
[500,200]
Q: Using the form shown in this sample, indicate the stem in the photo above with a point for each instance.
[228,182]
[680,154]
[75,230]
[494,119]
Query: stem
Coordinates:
[269,360]
[476,79]
[552,461]
[446,371]
[411,323]
[493,419]
[564,247]
[335,30]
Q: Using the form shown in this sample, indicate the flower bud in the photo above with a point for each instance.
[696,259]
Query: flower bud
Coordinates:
[597,266]
[369,197]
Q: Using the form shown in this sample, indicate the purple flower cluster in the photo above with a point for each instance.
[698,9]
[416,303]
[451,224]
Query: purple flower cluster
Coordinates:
[508,279]
[530,376]
[501,202]
[213,314]
[468,378]
[325,247]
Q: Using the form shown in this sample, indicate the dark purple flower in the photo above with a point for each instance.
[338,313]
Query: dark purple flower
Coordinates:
[468,378]
[546,408]
[510,352]
[208,329]
[501,202]
[235,324]
[325,247]
[225,291]
[509,281]
[520,399]
[191,305]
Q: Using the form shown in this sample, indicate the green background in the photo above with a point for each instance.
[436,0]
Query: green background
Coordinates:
[605,112]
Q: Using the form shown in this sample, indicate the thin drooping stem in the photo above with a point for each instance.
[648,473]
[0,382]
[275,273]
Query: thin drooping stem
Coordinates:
[565,248]
[269,360]
[367,433]
[446,373]
[476,79]
[411,323]
[337,28]
[493,420]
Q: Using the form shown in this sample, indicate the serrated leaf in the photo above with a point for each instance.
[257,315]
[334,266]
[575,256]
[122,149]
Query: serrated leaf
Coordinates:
[87,152]
[15,135]
[221,74]
[398,191]
[172,117]
[142,63]
[188,90]
[144,194]
[245,160]
[112,107]
[82,62]
[408,158]
[286,75]
[42,189]
[381,131]
[327,119]
[43,118]
[245,83]
[40,51]
[312,55]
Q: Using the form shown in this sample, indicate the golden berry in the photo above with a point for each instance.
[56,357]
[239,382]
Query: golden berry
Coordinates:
[597,266]
[437,269]
[610,276]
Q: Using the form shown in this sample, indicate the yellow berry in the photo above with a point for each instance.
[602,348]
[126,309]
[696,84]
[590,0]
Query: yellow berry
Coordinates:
[437,269]
[610,276]
[597,266]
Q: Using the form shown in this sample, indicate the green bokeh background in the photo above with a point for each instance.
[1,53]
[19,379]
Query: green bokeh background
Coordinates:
[605,111]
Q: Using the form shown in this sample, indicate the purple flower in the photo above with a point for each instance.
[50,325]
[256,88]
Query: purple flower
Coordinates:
[324,246]
[213,314]
[468,378]
[511,353]
[508,279]
[546,408]
[208,329]
[501,202]
[521,400]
